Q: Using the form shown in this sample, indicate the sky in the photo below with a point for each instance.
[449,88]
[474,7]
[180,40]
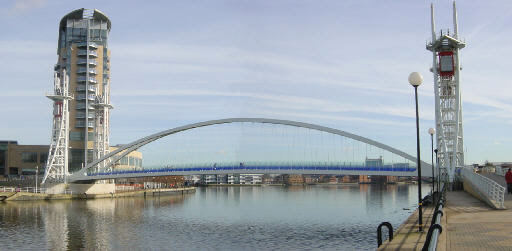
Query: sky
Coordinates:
[340,64]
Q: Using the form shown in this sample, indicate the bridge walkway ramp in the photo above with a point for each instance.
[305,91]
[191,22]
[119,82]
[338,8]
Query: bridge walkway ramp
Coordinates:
[472,225]
[499,179]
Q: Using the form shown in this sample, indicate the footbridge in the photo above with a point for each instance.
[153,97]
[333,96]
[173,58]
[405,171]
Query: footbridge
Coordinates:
[105,167]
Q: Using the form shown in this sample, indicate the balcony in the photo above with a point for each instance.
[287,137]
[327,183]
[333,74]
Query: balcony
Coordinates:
[83,70]
[81,123]
[83,61]
[81,96]
[81,88]
[91,45]
[81,106]
[83,78]
[84,53]
[81,115]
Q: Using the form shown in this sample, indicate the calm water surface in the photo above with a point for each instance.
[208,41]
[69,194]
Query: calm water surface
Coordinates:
[343,217]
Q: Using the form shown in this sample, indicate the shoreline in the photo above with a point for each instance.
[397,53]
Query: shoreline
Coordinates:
[26,196]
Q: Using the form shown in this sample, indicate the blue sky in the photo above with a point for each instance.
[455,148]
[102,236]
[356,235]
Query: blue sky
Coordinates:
[341,64]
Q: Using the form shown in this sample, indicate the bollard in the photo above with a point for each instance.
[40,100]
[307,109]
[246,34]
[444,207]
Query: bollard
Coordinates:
[379,232]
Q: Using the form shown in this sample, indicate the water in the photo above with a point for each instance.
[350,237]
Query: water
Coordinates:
[343,217]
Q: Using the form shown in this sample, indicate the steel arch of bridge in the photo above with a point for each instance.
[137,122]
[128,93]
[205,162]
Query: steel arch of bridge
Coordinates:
[122,151]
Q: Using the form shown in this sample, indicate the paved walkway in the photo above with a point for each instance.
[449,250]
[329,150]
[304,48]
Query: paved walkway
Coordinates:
[472,225]
[407,236]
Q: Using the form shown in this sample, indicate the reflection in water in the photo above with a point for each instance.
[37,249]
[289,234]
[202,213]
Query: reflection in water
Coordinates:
[294,217]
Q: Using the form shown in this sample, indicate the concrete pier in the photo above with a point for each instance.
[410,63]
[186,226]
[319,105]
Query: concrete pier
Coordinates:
[24,196]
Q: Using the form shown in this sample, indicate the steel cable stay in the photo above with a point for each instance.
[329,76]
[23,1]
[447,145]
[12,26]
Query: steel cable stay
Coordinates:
[319,146]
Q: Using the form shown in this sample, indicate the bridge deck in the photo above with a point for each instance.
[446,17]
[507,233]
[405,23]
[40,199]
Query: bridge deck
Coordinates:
[328,169]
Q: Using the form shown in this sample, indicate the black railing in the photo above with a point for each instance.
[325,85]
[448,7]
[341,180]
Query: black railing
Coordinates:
[435,228]
[379,232]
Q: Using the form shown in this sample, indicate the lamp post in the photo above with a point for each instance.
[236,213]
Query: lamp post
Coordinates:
[438,172]
[431,131]
[37,172]
[415,79]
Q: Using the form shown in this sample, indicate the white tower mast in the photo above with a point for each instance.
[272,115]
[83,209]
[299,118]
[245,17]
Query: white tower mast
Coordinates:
[446,69]
[57,163]
[101,130]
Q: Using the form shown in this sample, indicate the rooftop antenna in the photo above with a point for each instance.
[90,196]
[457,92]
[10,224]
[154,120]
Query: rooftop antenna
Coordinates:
[455,22]
[433,22]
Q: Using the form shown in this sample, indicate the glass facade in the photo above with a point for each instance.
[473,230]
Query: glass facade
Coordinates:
[3,159]
[29,157]
[76,159]
[130,161]
[75,31]
[43,157]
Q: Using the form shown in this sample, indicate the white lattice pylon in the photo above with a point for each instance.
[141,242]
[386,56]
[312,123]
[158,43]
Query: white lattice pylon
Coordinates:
[57,163]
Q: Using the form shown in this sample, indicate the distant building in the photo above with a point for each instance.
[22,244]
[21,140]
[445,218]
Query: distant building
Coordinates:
[22,159]
[193,179]
[251,179]
[374,162]
[311,178]
[364,179]
[233,179]
[293,179]
[209,179]
[16,160]
[222,179]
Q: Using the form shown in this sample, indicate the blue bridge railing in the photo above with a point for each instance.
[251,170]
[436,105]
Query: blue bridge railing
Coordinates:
[197,169]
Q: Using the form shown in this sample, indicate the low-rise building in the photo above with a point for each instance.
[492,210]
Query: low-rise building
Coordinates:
[17,160]
[209,179]
[251,179]
[294,179]
[233,179]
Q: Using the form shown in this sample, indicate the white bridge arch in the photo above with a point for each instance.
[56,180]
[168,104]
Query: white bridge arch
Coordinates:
[110,159]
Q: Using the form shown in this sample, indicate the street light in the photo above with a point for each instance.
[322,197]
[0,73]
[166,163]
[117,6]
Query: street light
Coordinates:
[37,172]
[438,172]
[431,131]
[415,79]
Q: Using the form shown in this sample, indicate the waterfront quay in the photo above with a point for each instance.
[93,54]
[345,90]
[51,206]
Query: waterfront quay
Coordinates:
[467,224]
[17,194]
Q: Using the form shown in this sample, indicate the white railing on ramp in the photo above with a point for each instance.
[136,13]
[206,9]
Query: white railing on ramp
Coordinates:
[490,191]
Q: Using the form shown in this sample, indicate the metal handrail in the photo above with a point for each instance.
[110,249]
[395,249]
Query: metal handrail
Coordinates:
[492,192]
[379,232]
[435,228]
[23,189]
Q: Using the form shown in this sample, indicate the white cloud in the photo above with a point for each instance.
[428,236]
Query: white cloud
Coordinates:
[287,102]
[21,6]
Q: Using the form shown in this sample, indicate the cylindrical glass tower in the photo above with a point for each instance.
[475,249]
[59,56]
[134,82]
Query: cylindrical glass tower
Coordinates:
[83,52]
